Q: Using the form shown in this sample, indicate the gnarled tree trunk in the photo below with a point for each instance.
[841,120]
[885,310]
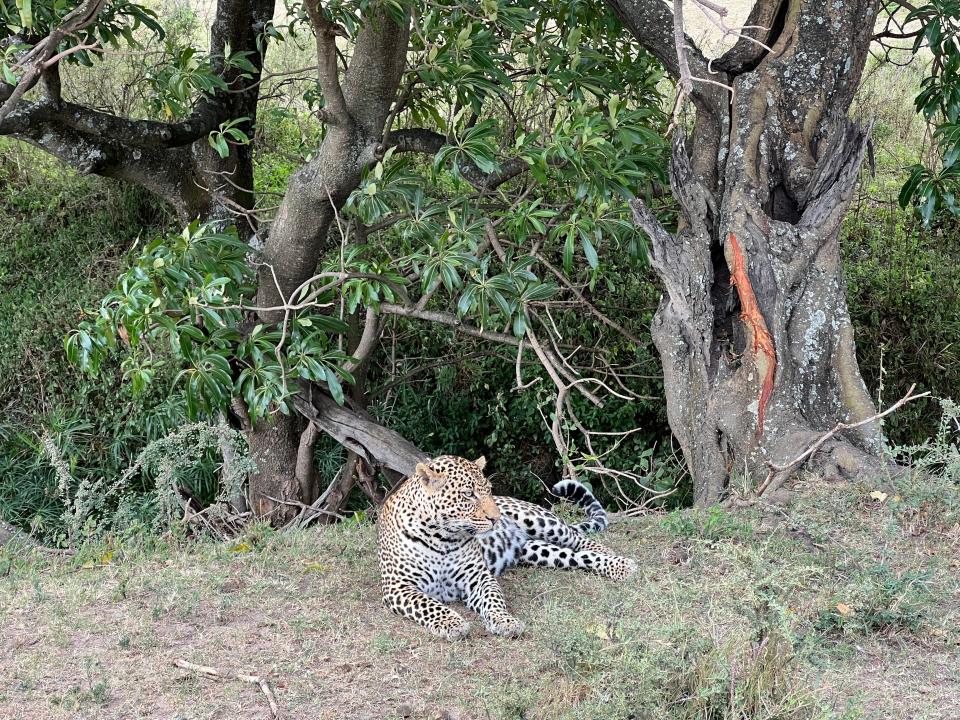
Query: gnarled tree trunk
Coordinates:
[753,328]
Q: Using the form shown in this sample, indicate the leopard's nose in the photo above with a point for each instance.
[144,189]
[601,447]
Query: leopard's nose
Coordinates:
[490,509]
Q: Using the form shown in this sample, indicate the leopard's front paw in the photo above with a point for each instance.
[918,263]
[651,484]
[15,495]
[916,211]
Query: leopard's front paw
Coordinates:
[508,626]
[453,629]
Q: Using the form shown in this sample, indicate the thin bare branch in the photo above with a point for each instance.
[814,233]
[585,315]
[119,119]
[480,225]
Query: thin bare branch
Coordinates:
[781,471]
[449,319]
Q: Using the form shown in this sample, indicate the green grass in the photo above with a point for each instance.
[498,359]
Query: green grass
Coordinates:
[727,618]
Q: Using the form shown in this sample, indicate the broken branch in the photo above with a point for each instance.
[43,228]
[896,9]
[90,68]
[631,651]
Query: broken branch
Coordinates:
[212,672]
[782,470]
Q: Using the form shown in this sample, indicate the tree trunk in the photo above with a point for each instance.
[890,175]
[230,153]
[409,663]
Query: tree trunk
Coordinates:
[753,328]
[306,228]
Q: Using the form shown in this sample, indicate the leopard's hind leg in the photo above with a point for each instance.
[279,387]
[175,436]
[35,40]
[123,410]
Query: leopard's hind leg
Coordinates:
[544,554]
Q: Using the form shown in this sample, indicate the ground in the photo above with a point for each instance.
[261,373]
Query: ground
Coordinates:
[843,605]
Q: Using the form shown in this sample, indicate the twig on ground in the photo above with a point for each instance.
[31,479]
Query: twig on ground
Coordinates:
[212,672]
[315,510]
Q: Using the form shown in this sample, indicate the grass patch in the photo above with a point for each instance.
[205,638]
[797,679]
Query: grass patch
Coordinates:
[744,625]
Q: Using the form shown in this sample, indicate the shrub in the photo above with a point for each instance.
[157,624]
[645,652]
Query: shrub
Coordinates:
[878,601]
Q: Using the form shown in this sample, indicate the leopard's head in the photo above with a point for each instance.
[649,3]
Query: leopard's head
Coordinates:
[457,495]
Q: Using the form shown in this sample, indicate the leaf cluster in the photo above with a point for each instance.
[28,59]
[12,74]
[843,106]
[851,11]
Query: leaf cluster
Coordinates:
[933,190]
[183,299]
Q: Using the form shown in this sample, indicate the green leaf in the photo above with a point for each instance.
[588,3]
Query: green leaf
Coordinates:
[590,252]
[25,8]
[218,143]
[333,384]
[568,247]
[909,189]
[519,325]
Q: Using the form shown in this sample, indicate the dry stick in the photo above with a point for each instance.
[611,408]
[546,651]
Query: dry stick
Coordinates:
[707,7]
[806,454]
[445,318]
[593,310]
[520,384]
[214,673]
[686,80]
[679,41]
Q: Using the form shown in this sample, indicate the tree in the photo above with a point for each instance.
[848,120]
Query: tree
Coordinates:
[474,166]
[753,329]
[527,148]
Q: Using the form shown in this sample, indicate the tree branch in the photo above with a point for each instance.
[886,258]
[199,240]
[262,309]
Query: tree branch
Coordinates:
[368,341]
[98,125]
[35,62]
[429,142]
[328,72]
[754,38]
[374,443]
[450,320]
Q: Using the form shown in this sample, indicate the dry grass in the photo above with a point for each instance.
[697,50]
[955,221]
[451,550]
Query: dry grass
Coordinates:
[743,606]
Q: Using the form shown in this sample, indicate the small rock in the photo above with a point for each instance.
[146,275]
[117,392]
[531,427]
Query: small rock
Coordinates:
[405,710]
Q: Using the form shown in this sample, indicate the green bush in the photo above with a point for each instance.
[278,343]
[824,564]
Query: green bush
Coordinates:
[904,298]
[63,240]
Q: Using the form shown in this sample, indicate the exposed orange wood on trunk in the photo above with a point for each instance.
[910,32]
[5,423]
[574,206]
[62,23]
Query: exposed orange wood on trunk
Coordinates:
[760,340]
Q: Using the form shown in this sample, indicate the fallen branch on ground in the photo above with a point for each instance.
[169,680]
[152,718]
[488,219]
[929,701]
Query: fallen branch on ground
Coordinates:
[214,673]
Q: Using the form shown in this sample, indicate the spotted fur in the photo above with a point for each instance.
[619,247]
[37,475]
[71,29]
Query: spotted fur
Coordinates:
[444,538]
[578,493]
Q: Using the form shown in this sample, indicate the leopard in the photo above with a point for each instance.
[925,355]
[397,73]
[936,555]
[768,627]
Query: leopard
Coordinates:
[443,537]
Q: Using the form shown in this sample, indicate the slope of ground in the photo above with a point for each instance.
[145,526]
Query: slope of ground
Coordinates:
[844,606]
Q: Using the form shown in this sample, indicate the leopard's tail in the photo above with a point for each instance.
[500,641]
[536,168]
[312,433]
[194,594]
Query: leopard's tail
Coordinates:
[578,493]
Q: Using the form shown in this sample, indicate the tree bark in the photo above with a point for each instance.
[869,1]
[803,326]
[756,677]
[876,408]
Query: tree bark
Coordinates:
[753,329]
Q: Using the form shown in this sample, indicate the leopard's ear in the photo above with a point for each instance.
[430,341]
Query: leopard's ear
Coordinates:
[430,478]
[480,462]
